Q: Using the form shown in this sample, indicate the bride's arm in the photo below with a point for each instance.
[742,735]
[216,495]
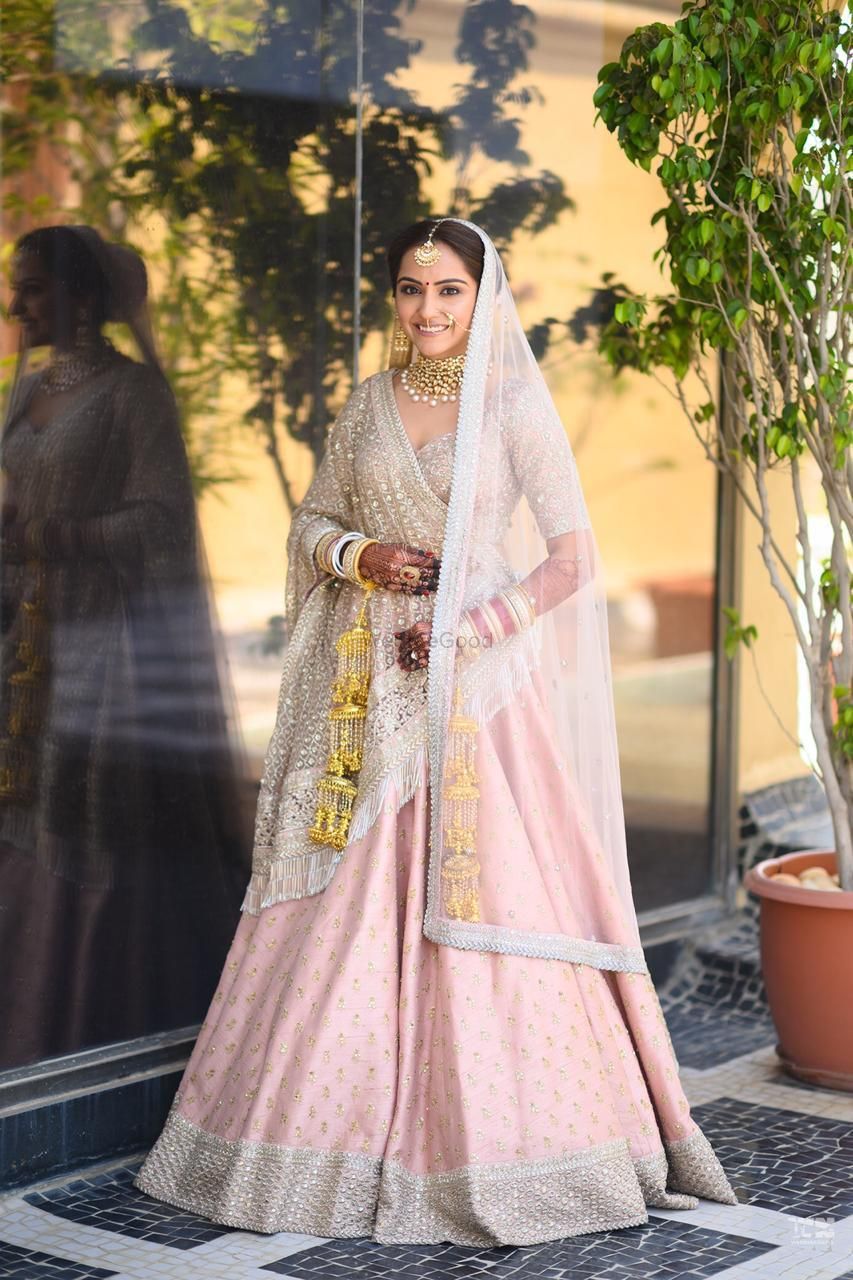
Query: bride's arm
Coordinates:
[544,466]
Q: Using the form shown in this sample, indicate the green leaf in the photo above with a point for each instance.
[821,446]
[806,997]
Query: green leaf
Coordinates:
[662,54]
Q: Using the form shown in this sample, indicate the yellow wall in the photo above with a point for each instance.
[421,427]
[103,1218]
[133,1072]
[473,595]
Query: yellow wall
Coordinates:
[649,488]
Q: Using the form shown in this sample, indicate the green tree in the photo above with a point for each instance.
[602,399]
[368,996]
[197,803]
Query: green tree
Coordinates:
[742,108]
[238,132]
[253,150]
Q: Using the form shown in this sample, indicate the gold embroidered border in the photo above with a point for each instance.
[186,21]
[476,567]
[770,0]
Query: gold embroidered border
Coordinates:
[260,1186]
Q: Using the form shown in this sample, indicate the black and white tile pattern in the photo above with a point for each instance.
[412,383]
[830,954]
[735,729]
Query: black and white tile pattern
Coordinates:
[659,1249]
[782,1160]
[787,1148]
[110,1202]
[36,1265]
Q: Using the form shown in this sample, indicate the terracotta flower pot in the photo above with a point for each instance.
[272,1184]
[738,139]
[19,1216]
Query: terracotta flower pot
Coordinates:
[807,962]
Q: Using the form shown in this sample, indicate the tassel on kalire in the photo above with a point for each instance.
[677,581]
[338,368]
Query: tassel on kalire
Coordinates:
[336,789]
[460,870]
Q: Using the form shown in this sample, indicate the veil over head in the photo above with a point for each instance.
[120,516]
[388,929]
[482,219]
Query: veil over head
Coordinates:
[127,287]
[547,843]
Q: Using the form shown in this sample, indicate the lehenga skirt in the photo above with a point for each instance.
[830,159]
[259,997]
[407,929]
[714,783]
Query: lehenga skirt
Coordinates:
[353,1078]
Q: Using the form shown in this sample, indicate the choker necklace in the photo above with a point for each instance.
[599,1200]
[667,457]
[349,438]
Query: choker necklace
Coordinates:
[434,381]
[69,368]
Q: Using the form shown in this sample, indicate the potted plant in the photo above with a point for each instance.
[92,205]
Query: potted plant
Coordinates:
[743,109]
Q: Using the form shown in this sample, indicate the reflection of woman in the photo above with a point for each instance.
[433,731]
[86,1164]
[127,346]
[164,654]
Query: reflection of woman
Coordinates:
[446,1030]
[119,827]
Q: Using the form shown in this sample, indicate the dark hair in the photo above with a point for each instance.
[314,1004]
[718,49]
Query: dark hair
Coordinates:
[66,256]
[460,239]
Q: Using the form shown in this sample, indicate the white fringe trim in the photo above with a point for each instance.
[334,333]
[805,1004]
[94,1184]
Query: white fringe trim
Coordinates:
[506,674]
[404,777]
[486,691]
[296,876]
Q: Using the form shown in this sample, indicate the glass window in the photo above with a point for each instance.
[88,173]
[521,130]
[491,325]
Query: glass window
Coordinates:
[256,164]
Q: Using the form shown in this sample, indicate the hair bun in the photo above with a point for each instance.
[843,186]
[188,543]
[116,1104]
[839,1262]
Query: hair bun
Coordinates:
[127,278]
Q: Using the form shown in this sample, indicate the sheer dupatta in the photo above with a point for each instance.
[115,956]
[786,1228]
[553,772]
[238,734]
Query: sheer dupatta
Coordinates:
[536,830]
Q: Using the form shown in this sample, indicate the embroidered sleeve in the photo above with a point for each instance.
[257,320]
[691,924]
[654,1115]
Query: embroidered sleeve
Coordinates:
[542,460]
[327,506]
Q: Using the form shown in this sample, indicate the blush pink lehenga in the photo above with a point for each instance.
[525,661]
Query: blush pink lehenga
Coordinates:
[353,1078]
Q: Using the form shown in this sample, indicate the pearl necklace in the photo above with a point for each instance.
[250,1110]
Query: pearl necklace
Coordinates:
[434,381]
[70,368]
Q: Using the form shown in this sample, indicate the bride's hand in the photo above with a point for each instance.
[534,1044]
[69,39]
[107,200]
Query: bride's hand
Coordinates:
[396,567]
[413,646]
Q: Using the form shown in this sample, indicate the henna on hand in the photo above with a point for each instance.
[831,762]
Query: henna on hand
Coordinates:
[413,646]
[553,581]
[397,567]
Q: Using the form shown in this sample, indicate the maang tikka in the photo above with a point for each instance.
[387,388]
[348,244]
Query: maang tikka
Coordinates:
[428,253]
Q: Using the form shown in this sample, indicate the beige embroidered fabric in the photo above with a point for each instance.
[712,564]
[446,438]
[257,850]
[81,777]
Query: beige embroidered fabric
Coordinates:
[371,479]
[259,1186]
[502,502]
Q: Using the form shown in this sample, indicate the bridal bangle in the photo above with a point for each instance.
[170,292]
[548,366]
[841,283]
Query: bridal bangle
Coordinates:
[338,554]
[322,550]
[521,605]
[520,608]
[360,549]
[493,620]
[468,637]
[351,557]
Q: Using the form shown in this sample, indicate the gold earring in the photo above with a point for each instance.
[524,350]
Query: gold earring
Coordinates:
[401,347]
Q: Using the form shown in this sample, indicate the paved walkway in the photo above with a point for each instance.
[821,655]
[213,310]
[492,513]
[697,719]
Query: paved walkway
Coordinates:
[787,1149]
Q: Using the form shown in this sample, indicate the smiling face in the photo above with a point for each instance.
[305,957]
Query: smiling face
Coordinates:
[36,301]
[436,304]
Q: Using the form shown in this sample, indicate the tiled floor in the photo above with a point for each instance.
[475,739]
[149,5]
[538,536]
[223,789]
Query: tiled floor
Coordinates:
[788,1150]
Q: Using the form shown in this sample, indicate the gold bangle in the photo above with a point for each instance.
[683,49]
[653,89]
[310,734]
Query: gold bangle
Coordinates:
[321,551]
[347,558]
[360,548]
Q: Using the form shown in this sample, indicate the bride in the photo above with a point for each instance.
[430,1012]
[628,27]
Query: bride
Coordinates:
[436,1022]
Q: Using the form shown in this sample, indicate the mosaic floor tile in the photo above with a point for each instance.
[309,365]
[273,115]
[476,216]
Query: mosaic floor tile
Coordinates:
[780,1159]
[111,1202]
[661,1249]
[714,999]
[703,1039]
[369,1261]
[787,1147]
[29,1264]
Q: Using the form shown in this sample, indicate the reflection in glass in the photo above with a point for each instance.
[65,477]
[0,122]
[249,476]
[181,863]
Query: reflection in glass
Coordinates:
[121,848]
